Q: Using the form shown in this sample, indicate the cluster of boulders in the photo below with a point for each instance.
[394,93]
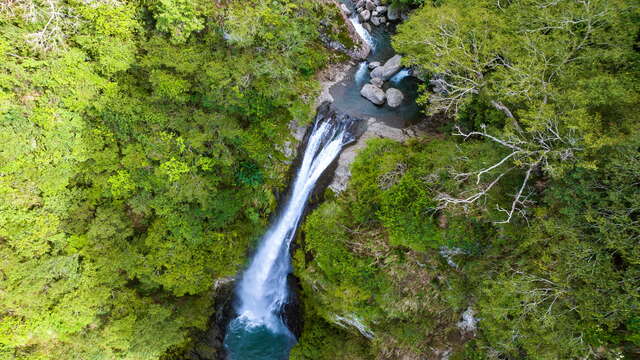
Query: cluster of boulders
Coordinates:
[374,12]
[379,74]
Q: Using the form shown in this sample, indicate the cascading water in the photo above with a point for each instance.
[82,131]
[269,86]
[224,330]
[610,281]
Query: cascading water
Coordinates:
[362,32]
[401,75]
[362,74]
[259,332]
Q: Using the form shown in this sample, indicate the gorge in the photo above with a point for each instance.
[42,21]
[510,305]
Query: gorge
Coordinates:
[319,179]
[259,331]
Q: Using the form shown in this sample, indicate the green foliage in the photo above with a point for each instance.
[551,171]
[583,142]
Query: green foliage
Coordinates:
[138,163]
[548,93]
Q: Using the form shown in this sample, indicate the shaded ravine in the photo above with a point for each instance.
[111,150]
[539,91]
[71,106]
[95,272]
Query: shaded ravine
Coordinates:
[258,329]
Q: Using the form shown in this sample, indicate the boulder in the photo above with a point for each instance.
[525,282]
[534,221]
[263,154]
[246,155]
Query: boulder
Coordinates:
[365,15]
[360,4]
[377,82]
[381,9]
[394,97]
[345,9]
[373,65]
[374,14]
[393,13]
[390,68]
[383,19]
[373,94]
[375,21]
[370,5]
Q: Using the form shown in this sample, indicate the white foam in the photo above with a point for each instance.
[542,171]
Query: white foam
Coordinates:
[263,289]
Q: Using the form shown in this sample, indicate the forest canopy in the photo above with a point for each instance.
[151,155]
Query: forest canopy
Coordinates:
[521,213]
[142,145]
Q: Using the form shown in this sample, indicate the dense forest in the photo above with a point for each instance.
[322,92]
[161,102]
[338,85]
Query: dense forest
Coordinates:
[144,145]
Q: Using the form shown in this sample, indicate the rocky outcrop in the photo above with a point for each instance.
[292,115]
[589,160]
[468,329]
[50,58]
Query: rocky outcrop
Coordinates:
[390,68]
[362,49]
[345,9]
[365,15]
[393,13]
[374,129]
[377,82]
[394,97]
[373,94]
[208,345]
[377,13]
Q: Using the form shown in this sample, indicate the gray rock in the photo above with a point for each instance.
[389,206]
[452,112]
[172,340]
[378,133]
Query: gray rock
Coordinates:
[365,15]
[360,4]
[393,13]
[394,97]
[373,65]
[377,82]
[373,94]
[370,5]
[374,14]
[345,9]
[390,68]
[381,9]
[374,130]
[377,2]
[375,20]
[383,19]
[368,27]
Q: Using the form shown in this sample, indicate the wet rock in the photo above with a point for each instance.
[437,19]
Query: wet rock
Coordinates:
[370,5]
[360,4]
[381,9]
[390,68]
[394,97]
[374,129]
[208,345]
[345,9]
[373,65]
[393,12]
[368,27]
[373,94]
[377,82]
[375,21]
[365,15]
[383,20]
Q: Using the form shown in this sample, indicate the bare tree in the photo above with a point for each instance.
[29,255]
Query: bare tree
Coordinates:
[57,19]
[526,154]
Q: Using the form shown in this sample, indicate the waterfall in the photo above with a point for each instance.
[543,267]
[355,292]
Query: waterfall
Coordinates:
[397,78]
[362,32]
[258,331]
[362,74]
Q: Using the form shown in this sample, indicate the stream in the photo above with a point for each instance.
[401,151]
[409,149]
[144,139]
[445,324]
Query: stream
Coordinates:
[258,331]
